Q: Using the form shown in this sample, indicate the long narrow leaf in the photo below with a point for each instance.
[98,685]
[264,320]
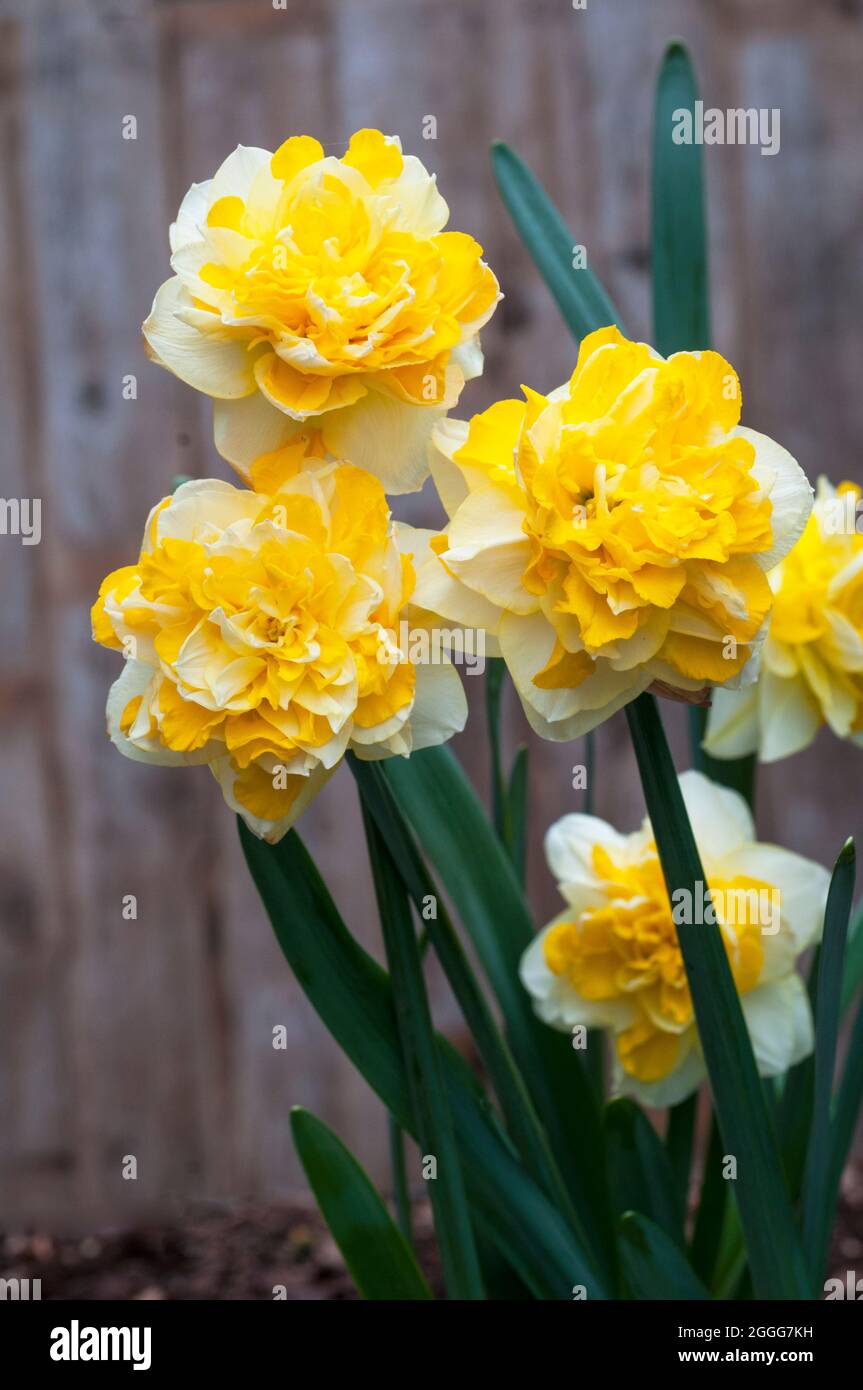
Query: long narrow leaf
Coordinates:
[681,314]
[712,1206]
[353,997]
[495,676]
[375,1251]
[429,1101]
[581,298]
[469,860]
[852,976]
[517,805]
[794,1117]
[679,1141]
[654,1266]
[641,1177]
[524,1125]
[681,295]
[775,1256]
[848,1103]
[817,1197]
[398,1169]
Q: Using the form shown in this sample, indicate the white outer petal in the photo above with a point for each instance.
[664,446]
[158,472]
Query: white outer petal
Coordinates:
[440,706]
[802,886]
[387,437]
[270,830]
[135,680]
[569,845]
[526,643]
[789,489]
[721,821]
[556,1002]
[236,174]
[732,723]
[789,717]
[245,429]
[779,1021]
[210,362]
[687,1076]
[191,216]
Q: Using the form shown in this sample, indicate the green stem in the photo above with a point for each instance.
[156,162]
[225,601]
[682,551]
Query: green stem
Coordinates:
[589,769]
[775,1256]
[712,1207]
[429,1101]
[401,1193]
[494,678]
[679,1140]
[527,1132]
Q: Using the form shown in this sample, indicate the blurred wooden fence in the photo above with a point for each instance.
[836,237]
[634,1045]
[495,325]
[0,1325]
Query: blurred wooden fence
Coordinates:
[153,1036]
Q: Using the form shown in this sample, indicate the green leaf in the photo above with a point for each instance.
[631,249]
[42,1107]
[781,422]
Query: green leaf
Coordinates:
[376,1253]
[452,828]
[508,799]
[731,1275]
[495,677]
[653,1264]
[712,1205]
[429,1102]
[641,1176]
[775,1257]
[847,1110]
[398,1169]
[524,1126]
[818,1201]
[517,802]
[681,298]
[580,296]
[795,1106]
[681,313]
[353,997]
[852,976]
[589,769]
[679,1139]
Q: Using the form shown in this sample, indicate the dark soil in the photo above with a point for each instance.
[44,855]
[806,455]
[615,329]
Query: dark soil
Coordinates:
[249,1253]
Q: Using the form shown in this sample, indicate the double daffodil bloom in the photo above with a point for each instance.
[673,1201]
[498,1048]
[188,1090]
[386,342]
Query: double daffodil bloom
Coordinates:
[812,663]
[616,534]
[612,958]
[314,288]
[263,631]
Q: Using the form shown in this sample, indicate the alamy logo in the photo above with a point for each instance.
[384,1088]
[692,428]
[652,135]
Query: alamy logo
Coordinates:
[77,1343]
[20,1290]
[733,907]
[21,516]
[848,1288]
[737,126]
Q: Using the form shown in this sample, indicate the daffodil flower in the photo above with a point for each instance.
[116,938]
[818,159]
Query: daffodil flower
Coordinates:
[612,958]
[311,288]
[615,535]
[261,630]
[812,662]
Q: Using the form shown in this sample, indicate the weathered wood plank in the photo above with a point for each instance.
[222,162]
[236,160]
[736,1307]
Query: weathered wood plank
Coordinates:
[154,1036]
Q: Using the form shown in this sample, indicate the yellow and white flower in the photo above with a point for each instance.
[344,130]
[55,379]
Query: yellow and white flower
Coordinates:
[261,634]
[812,662]
[615,534]
[612,959]
[310,287]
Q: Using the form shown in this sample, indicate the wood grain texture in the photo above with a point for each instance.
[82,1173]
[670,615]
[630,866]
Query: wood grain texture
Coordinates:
[154,1037]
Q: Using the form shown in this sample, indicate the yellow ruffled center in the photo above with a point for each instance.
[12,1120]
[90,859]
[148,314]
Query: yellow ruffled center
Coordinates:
[627,951]
[268,628]
[640,505]
[816,628]
[330,266]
